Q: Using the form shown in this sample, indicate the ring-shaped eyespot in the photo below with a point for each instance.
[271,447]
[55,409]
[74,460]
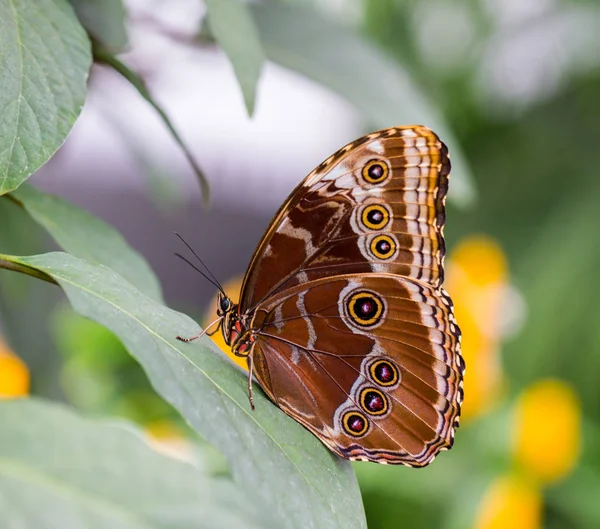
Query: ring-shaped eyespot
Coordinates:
[384,373]
[375,217]
[365,308]
[383,247]
[375,171]
[355,423]
[373,401]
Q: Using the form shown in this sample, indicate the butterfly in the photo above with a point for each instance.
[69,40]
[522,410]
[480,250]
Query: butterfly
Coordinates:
[342,318]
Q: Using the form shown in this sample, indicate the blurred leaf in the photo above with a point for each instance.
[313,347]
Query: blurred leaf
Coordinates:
[271,456]
[104,20]
[577,498]
[99,375]
[343,61]
[87,343]
[233,27]
[88,237]
[391,24]
[58,470]
[102,55]
[44,60]
[562,311]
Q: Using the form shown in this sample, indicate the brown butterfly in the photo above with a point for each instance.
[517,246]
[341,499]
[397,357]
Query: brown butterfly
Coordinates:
[342,317]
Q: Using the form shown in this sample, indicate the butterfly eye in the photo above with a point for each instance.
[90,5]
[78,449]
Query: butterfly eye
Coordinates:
[375,217]
[383,247]
[225,304]
[373,401]
[355,423]
[375,171]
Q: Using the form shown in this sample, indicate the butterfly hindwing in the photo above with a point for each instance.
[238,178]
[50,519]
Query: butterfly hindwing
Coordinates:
[369,362]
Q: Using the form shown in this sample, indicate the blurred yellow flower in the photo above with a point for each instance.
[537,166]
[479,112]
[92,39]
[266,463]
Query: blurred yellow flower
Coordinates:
[547,431]
[14,375]
[232,289]
[510,502]
[477,281]
[165,437]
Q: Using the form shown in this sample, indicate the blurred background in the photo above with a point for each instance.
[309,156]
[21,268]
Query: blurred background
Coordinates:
[516,88]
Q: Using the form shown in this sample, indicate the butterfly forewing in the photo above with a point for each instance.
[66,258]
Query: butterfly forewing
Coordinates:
[377,205]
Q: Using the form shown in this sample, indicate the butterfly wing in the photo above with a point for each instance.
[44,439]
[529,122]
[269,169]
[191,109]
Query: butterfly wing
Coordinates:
[369,363]
[377,205]
[352,334]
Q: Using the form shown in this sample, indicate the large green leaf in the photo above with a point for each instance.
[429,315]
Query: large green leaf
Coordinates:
[44,62]
[104,20]
[345,62]
[61,471]
[234,29]
[285,468]
[80,233]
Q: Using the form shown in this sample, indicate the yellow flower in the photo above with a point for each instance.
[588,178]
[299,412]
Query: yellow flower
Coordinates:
[14,375]
[477,282]
[510,502]
[547,430]
[232,289]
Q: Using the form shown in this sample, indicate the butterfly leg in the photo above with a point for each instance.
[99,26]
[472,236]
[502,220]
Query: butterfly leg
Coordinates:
[250,369]
[243,348]
[192,338]
[211,333]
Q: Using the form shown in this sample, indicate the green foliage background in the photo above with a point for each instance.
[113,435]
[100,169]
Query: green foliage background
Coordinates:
[524,174]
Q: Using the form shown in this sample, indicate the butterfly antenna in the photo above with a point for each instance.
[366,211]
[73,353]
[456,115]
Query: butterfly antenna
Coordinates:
[214,281]
[216,285]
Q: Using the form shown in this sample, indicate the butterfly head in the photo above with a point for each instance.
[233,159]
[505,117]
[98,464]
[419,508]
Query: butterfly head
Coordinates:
[228,312]
[224,303]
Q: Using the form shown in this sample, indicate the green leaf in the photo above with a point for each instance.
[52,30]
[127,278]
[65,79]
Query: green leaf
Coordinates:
[44,62]
[232,25]
[102,55]
[59,470]
[345,62]
[546,275]
[282,466]
[80,233]
[104,20]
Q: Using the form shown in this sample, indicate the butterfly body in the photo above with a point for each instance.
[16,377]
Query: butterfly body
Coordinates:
[342,316]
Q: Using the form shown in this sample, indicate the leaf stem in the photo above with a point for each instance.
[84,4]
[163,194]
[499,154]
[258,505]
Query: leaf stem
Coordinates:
[103,56]
[7,262]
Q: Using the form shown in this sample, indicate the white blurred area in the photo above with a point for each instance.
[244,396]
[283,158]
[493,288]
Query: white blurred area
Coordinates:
[522,51]
[529,50]
[251,163]
[538,46]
